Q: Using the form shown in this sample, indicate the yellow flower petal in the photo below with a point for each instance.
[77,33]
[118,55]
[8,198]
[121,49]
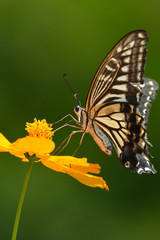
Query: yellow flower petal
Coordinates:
[80,164]
[89,180]
[77,168]
[32,145]
[4,144]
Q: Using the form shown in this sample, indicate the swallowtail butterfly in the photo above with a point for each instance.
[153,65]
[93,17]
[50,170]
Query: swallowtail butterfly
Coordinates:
[118,103]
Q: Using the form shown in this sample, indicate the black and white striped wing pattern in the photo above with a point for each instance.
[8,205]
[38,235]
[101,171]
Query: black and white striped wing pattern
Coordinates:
[119,77]
[148,94]
[125,127]
[119,99]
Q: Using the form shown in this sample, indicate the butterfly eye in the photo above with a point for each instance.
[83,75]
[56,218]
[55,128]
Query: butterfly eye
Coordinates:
[76,109]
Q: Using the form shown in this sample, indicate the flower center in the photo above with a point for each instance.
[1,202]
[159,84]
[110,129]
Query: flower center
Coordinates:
[39,129]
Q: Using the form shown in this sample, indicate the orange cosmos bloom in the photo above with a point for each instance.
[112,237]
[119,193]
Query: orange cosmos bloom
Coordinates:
[39,145]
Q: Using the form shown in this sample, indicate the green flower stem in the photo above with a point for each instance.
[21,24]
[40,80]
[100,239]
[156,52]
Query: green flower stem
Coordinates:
[20,204]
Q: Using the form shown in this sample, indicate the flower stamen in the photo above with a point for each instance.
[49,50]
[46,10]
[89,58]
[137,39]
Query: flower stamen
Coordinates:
[39,129]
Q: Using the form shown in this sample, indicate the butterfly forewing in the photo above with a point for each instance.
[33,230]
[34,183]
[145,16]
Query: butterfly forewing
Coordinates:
[119,77]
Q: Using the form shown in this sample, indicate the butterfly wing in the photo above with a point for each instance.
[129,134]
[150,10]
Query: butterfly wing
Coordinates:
[148,94]
[125,127]
[118,101]
[119,77]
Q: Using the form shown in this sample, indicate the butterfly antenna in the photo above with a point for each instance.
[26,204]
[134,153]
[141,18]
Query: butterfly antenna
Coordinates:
[75,94]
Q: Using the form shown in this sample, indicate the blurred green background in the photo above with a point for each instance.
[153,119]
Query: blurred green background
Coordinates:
[39,42]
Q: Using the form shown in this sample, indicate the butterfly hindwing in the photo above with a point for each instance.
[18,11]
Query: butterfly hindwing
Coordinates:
[148,94]
[123,124]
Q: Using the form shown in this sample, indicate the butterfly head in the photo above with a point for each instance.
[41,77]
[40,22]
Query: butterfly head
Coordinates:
[78,112]
[82,116]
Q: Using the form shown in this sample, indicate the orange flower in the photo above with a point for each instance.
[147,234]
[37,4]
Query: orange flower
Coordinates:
[38,142]
[40,146]
[78,168]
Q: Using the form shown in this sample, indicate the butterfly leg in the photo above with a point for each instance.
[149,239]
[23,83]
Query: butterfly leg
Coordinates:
[68,115]
[66,139]
[67,125]
[79,143]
